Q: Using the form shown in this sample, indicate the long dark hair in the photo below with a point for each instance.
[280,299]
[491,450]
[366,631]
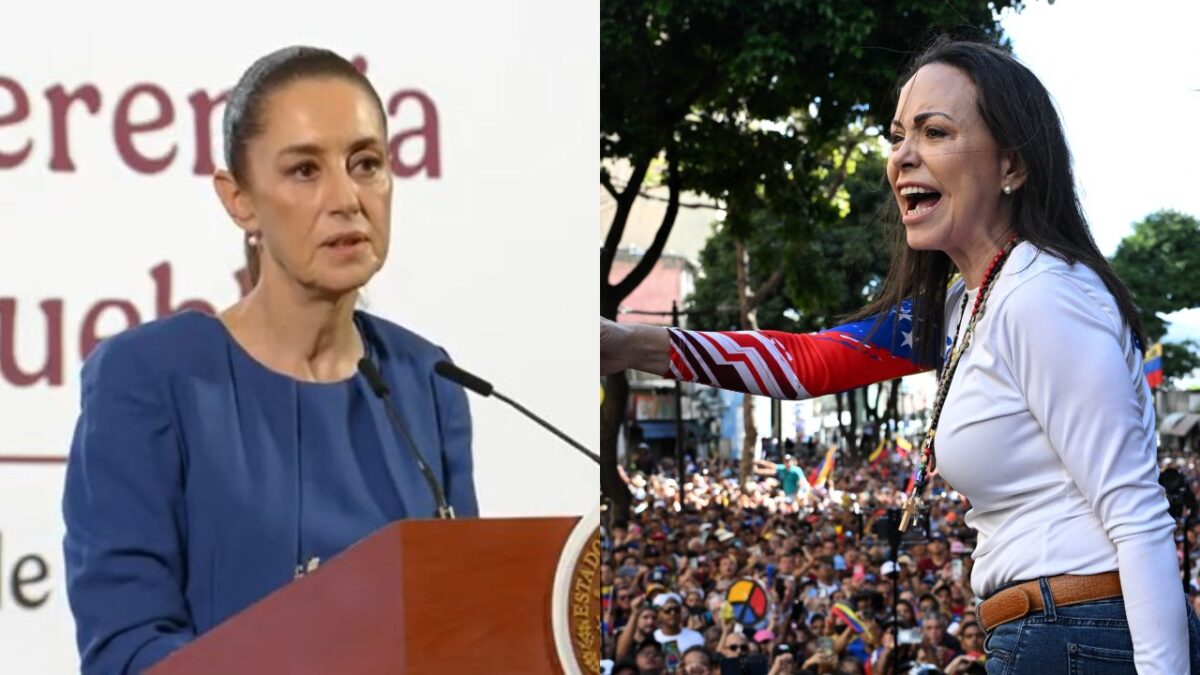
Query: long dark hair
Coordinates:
[1021,116]
[244,111]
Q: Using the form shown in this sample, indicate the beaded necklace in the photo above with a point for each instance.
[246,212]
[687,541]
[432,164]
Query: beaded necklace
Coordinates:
[913,502]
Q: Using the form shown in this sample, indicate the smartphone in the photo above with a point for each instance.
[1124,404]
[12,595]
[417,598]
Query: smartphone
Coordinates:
[825,644]
[909,636]
[956,569]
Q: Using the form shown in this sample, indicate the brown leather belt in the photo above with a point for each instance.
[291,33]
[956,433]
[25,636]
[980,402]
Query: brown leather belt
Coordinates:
[1018,601]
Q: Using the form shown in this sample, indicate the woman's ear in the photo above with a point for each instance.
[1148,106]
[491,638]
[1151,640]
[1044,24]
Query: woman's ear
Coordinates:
[235,199]
[1013,172]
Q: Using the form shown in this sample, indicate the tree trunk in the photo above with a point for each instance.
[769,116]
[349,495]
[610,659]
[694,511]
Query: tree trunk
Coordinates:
[748,321]
[612,413]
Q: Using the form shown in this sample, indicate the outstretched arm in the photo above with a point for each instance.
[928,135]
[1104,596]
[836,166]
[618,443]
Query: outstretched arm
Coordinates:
[797,366]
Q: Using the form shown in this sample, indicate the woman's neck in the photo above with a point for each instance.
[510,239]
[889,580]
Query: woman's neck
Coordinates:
[289,330]
[972,260]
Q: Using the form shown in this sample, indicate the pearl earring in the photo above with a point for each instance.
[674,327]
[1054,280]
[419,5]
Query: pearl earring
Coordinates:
[1008,189]
[252,238]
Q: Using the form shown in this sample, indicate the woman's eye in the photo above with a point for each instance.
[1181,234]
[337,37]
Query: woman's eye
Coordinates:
[303,170]
[934,132]
[895,139]
[368,165]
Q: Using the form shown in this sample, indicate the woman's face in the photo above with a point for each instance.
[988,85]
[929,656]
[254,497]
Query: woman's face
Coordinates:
[942,148]
[319,190]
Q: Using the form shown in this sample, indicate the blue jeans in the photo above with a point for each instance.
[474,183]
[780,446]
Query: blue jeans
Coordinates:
[1090,638]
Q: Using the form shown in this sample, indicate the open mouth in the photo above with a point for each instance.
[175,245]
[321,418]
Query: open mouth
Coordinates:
[919,200]
[345,240]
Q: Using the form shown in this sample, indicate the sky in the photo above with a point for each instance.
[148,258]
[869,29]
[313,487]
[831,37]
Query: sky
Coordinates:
[1126,77]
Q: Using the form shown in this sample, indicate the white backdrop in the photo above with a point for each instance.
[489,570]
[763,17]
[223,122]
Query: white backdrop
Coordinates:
[494,259]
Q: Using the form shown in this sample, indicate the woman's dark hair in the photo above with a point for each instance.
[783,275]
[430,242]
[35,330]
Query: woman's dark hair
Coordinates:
[244,110]
[1021,116]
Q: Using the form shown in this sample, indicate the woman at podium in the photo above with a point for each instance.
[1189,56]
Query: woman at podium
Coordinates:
[218,457]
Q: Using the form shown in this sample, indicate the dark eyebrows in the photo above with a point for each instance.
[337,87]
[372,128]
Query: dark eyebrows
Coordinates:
[920,119]
[314,149]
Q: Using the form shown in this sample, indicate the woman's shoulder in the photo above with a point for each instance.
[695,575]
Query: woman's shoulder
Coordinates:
[398,342]
[164,344]
[1038,284]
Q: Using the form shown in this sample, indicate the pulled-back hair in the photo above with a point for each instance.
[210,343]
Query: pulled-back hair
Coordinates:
[245,108]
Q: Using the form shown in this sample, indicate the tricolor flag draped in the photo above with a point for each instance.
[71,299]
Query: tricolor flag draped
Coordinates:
[1153,365]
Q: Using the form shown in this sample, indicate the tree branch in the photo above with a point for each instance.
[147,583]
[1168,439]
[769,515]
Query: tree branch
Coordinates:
[650,258]
[616,229]
[840,177]
[768,287]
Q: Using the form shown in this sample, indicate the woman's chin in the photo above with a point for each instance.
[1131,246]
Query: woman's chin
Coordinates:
[919,238]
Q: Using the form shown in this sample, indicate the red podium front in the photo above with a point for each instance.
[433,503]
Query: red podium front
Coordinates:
[418,596]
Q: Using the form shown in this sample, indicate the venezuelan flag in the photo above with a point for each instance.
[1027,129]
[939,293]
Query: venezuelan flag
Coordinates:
[876,453]
[826,467]
[851,618]
[1153,365]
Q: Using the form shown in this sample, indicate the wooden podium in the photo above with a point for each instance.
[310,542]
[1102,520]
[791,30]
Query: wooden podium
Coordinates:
[418,596]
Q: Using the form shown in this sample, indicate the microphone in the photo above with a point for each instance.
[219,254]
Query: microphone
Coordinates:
[375,380]
[484,388]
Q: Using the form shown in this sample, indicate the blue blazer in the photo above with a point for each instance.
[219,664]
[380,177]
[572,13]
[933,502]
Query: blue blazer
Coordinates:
[199,480]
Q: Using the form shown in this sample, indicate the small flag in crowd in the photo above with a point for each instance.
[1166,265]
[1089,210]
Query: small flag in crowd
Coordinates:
[851,618]
[826,467]
[1153,365]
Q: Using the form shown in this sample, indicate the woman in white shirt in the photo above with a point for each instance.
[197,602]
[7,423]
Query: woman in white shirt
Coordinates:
[1048,424]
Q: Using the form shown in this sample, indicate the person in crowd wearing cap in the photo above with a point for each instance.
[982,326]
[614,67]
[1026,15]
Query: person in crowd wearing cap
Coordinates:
[638,629]
[671,634]
[649,658]
[789,474]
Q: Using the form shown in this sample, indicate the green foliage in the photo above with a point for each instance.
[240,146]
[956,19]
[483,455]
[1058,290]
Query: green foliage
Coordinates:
[695,77]
[1179,360]
[1160,262]
[828,274]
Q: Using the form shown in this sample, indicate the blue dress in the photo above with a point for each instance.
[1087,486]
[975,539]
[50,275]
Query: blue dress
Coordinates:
[199,480]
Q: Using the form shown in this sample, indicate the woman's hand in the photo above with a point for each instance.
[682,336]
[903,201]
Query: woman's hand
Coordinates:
[625,346]
[614,339]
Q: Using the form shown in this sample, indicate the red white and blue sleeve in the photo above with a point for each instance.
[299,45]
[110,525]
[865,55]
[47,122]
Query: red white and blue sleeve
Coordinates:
[797,366]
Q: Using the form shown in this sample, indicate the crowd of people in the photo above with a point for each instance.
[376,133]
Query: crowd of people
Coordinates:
[847,593]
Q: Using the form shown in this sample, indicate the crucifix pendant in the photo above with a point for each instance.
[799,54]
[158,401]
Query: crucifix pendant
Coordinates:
[912,505]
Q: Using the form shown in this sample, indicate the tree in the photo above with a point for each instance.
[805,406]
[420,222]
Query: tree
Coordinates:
[830,273]
[745,103]
[1160,262]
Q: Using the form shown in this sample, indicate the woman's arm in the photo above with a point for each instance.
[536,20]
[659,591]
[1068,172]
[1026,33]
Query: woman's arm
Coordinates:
[124,512]
[1069,356]
[768,363]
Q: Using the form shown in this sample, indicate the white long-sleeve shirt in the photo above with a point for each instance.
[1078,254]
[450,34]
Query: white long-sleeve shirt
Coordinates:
[1048,430]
